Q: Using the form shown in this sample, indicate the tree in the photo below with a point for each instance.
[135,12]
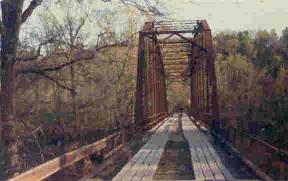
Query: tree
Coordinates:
[13,17]
[284,38]
[12,20]
[68,37]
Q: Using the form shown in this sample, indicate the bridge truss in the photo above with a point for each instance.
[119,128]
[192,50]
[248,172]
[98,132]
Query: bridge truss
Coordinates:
[179,51]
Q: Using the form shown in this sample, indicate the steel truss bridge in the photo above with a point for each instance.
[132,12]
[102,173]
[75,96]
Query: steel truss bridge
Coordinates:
[178,51]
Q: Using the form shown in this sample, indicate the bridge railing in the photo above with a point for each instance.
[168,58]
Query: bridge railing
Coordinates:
[43,145]
[268,158]
[102,150]
[153,120]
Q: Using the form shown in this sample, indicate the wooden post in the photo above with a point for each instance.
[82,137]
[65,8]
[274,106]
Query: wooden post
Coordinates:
[282,172]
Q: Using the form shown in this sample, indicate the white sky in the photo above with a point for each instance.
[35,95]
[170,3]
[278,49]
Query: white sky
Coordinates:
[235,14]
[222,15]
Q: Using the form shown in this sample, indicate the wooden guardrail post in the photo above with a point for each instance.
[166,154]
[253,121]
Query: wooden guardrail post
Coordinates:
[281,170]
[257,155]
[123,135]
[267,163]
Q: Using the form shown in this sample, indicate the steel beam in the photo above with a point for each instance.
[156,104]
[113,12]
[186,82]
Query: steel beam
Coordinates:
[186,56]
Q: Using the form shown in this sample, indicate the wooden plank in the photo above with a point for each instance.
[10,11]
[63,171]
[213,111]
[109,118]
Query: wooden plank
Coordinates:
[212,164]
[196,165]
[128,169]
[198,141]
[49,168]
[201,141]
[194,156]
[153,165]
[157,142]
[141,161]
[125,171]
[136,164]
[141,173]
[135,172]
[210,161]
[216,157]
[224,170]
[128,166]
[155,159]
[204,165]
[157,153]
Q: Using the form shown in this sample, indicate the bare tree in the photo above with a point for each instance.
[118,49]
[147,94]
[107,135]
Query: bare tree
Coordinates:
[69,36]
[13,17]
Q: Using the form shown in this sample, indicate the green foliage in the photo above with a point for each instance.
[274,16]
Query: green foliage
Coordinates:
[56,117]
[178,95]
[276,131]
[252,81]
[284,38]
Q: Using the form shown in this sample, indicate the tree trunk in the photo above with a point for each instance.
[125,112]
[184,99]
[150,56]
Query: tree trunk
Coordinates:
[73,96]
[11,19]
[57,99]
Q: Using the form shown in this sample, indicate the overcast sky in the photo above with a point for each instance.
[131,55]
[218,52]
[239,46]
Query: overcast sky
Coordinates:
[235,14]
[222,15]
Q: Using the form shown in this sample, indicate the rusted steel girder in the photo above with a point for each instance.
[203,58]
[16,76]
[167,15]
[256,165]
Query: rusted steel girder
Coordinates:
[173,59]
[203,79]
[176,68]
[139,103]
[151,89]
[176,64]
[177,51]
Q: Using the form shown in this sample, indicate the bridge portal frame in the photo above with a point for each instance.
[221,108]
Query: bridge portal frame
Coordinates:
[161,56]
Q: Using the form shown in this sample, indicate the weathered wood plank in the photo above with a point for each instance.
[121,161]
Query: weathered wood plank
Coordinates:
[203,143]
[203,162]
[212,164]
[215,156]
[155,159]
[209,159]
[139,165]
[194,156]
[49,168]
[159,143]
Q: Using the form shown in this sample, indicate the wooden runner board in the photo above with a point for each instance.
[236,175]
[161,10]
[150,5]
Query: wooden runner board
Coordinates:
[215,157]
[193,151]
[144,164]
[205,161]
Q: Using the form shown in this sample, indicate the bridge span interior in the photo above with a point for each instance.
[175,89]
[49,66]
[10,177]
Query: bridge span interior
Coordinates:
[180,51]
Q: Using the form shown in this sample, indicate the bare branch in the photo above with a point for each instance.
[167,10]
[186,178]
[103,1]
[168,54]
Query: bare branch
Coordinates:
[81,24]
[55,81]
[84,55]
[147,8]
[38,53]
[28,12]
[1,27]
[100,35]
[32,57]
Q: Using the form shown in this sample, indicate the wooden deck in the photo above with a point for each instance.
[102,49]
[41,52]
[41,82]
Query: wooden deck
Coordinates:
[144,164]
[205,161]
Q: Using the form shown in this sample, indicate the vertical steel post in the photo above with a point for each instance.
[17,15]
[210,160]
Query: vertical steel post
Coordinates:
[140,81]
[211,72]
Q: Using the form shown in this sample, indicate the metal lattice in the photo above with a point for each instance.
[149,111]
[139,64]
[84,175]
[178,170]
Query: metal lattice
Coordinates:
[177,50]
